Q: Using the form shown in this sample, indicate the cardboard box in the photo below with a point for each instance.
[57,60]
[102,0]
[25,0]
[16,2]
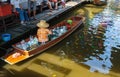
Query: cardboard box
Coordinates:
[5,9]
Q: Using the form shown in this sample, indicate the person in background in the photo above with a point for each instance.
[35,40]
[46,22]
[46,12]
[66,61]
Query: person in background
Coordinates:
[46,2]
[63,3]
[17,7]
[32,4]
[43,32]
[55,4]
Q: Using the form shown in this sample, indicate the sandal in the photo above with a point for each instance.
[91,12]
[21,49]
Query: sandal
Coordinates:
[35,19]
[51,10]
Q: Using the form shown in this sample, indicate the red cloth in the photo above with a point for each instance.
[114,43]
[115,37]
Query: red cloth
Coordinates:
[5,9]
[53,0]
[68,26]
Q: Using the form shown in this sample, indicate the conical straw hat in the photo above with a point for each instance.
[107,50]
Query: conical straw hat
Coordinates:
[42,24]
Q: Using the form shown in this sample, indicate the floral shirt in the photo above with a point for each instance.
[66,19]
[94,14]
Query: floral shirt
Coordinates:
[42,34]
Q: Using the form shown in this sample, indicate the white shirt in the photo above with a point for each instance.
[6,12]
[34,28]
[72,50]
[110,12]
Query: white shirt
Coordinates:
[33,0]
[16,3]
[63,0]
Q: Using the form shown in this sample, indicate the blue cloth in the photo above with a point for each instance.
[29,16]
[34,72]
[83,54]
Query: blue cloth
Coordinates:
[23,14]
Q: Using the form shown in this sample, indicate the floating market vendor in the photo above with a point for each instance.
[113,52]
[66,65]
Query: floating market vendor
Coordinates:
[43,31]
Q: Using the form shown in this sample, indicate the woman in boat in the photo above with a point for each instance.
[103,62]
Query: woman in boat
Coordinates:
[43,31]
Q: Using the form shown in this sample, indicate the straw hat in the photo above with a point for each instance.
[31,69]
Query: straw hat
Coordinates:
[43,24]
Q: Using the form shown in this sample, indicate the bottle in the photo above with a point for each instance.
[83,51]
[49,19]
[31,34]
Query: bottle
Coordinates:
[23,44]
[19,46]
[54,34]
[27,46]
[60,31]
[31,40]
[35,41]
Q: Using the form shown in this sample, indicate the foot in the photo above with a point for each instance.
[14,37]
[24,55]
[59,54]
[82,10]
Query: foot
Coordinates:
[51,10]
[27,22]
[56,8]
[35,18]
[30,19]
[23,23]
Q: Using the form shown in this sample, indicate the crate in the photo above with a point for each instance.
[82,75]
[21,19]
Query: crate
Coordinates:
[5,9]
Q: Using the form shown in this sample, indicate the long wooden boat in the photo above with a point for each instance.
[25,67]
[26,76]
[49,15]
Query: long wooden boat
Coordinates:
[20,54]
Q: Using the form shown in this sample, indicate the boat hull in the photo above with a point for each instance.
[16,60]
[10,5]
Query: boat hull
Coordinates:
[24,54]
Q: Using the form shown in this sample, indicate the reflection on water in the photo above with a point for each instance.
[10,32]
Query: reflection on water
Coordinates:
[90,49]
[101,62]
[110,21]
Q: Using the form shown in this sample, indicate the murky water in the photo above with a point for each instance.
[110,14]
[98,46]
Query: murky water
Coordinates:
[92,51]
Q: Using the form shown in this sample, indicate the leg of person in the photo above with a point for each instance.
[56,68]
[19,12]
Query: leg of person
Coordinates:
[41,6]
[26,16]
[34,9]
[63,4]
[49,5]
[27,20]
[43,43]
[29,8]
[21,13]
[56,5]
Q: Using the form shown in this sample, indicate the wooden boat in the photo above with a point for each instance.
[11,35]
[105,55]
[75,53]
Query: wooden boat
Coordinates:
[19,54]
